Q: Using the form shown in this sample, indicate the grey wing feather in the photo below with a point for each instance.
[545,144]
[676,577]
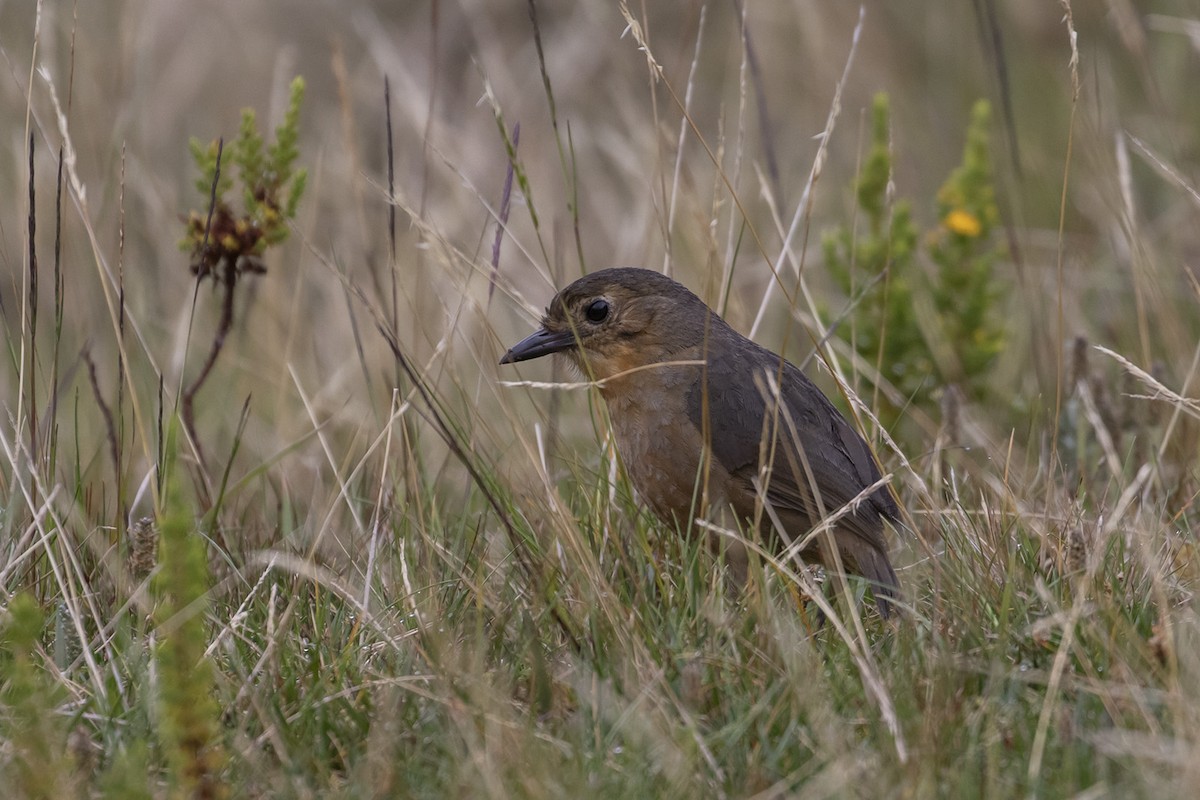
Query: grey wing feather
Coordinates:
[840,460]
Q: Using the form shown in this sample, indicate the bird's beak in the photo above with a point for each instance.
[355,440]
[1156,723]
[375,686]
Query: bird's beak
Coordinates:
[540,343]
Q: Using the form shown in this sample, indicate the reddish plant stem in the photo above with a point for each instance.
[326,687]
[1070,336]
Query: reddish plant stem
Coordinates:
[227,281]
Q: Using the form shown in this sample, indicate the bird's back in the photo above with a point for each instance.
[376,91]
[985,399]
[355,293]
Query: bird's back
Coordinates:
[756,408]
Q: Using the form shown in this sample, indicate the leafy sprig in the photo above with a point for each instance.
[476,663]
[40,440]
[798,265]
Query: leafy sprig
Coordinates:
[271,189]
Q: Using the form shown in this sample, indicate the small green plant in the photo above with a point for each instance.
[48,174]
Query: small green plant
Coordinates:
[271,190]
[876,262]
[226,243]
[188,711]
[38,763]
[964,291]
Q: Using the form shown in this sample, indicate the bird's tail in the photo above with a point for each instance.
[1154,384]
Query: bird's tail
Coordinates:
[873,564]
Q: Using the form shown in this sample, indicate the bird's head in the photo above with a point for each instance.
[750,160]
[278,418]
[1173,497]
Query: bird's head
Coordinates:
[616,320]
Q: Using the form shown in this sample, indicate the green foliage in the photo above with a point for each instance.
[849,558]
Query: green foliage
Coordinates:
[964,292]
[876,263]
[271,189]
[38,763]
[205,158]
[189,714]
[881,258]
[126,776]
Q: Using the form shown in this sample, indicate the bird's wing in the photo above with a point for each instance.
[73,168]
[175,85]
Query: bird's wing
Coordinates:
[737,414]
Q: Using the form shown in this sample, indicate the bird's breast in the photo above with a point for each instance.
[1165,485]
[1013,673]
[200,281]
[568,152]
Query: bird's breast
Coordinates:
[662,451]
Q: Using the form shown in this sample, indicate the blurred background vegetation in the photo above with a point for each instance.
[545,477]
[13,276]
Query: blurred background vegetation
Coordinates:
[425,581]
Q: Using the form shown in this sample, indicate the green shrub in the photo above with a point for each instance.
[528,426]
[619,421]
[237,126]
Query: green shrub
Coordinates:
[877,263]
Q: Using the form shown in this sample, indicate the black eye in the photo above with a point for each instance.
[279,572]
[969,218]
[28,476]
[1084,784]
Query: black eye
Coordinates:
[597,311]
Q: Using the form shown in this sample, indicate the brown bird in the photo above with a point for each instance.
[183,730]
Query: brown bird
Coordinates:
[697,410]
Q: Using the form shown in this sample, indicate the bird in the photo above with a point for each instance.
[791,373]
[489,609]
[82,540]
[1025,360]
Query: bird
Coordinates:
[707,421]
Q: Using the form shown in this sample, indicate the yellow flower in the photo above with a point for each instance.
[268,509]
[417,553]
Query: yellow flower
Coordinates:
[964,223]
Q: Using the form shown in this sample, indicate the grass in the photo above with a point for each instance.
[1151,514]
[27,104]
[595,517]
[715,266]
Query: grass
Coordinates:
[407,573]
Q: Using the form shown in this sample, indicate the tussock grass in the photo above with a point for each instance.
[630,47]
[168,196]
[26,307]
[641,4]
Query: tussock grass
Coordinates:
[401,572]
